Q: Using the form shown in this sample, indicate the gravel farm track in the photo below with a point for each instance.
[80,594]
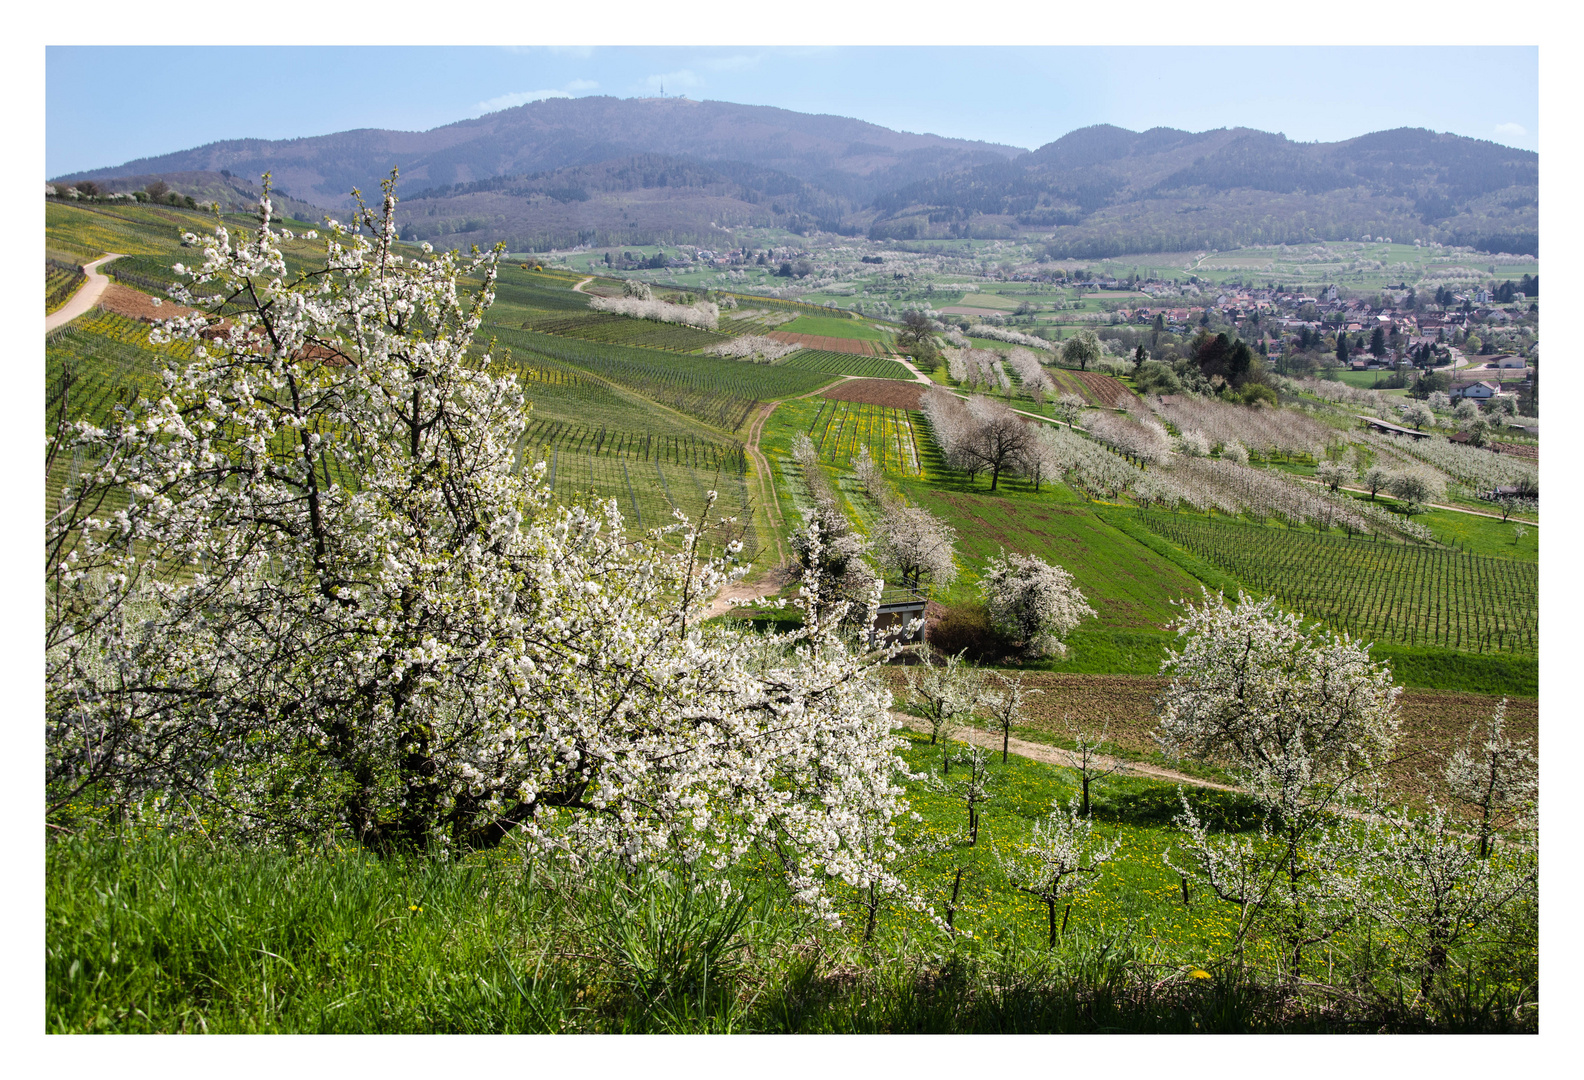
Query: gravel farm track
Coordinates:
[85,298]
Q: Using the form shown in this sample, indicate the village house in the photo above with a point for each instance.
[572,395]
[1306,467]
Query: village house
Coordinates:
[1483,390]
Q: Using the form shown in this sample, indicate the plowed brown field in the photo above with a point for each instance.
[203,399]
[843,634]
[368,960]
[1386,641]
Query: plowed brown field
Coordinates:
[828,344]
[135,305]
[1433,721]
[892,393]
[1093,387]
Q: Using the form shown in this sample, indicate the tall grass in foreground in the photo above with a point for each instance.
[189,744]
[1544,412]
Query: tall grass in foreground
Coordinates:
[166,934]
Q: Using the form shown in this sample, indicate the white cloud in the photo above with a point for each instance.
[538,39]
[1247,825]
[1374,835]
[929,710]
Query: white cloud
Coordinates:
[1511,131]
[523,97]
[674,80]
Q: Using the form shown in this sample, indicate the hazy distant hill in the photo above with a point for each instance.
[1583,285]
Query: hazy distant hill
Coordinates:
[1104,190]
[611,171]
[851,159]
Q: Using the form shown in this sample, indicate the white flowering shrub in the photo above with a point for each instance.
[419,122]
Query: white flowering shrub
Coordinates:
[946,694]
[335,601]
[1032,602]
[755,347]
[1193,444]
[1495,776]
[1253,687]
[1418,414]
[1434,887]
[703,315]
[1333,474]
[1011,337]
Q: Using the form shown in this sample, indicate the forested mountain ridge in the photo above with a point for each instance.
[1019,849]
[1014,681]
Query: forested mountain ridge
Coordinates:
[849,158]
[1105,190]
[609,171]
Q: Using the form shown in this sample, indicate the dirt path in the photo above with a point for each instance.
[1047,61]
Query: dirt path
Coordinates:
[918,376]
[1054,755]
[86,297]
[579,286]
[1436,506]
[763,480]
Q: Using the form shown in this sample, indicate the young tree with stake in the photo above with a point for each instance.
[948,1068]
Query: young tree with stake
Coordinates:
[948,695]
[1089,760]
[1061,861]
[1421,875]
[1004,702]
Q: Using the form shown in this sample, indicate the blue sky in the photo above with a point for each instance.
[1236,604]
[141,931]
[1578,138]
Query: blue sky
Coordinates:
[1019,96]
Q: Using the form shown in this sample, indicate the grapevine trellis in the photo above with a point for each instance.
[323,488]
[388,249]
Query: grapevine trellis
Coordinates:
[720,392]
[689,450]
[61,281]
[835,363]
[616,329]
[1408,594]
[841,427]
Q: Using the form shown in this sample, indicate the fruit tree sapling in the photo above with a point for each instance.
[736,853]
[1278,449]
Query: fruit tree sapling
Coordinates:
[1004,704]
[1060,860]
[1495,776]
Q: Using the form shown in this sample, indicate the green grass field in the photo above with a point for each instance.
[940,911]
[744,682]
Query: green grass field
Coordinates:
[831,326]
[154,934]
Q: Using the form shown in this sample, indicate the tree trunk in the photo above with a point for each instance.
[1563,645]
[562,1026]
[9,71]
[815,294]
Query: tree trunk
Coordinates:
[951,908]
[1006,739]
[1050,906]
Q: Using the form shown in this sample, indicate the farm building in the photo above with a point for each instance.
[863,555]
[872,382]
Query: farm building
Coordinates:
[900,617]
[1386,428]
